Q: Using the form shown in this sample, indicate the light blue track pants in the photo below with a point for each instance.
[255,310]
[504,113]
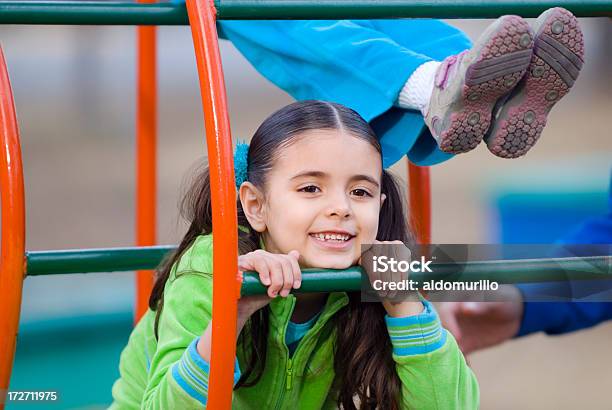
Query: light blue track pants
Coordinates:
[362,64]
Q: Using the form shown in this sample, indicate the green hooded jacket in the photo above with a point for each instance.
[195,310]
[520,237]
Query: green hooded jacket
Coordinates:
[169,373]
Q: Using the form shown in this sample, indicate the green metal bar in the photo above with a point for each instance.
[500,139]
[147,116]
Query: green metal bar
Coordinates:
[524,270]
[376,9]
[505,271]
[313,280]
[92,13]
[127,13]
[94,260]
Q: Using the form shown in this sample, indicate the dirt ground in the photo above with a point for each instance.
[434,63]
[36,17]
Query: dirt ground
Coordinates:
[74,90]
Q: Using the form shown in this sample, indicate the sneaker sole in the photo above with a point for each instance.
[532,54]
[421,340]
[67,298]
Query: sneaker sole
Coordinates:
[555,65]
[500,63]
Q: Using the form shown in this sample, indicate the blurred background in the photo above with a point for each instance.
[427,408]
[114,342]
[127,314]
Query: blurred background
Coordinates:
[74,89]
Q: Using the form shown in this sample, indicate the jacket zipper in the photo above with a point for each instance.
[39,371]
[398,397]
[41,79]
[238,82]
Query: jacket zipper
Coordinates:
[288,365]
[289,369]
[289,374]
[289,362]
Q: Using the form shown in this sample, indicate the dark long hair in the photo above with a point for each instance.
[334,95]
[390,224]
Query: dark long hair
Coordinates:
[363,353]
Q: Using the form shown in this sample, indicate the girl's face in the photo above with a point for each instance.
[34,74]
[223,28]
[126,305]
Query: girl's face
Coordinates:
[323,198]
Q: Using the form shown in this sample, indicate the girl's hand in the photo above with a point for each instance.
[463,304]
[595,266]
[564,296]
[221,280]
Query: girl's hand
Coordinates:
[397,303]
[279,272]
[391,250]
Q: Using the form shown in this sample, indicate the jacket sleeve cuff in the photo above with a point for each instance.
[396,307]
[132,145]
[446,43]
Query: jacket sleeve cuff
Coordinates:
[539,316]
[191,373]
[417,334]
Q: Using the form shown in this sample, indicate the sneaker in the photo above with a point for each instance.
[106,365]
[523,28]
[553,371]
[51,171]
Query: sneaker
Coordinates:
[468,85]
[557,59]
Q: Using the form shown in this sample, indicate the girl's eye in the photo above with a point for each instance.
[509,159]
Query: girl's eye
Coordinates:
[311,189]
[361,192]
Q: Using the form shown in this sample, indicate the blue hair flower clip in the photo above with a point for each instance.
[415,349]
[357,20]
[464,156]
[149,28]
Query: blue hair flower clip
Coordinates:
[241,154]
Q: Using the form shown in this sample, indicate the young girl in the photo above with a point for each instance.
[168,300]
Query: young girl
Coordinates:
[315,191]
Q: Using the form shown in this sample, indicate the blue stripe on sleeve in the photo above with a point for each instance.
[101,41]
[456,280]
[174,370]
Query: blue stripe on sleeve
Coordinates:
[191,373]
[418,334]
[185,386]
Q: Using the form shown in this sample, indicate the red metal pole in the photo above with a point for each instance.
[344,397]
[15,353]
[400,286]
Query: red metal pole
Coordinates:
[12,260]
[420,202]
[146,161]
[225,226]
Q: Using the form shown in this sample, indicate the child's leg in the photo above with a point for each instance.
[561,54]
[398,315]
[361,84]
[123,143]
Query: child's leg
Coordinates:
[351,63]
[468,85]
[345,61]
[519,116]
[555,65]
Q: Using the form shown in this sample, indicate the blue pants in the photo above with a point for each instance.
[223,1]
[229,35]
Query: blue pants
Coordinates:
[362,64]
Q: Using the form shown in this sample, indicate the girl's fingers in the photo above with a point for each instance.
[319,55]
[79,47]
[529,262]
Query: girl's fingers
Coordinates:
[297,272]
[260,265]
[375,276]
[250,261]
[276,276]
[287,276]
[278,272]
[396,278]
[386,277]
[245,264]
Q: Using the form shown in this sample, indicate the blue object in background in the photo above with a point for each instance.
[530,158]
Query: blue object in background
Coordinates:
[559,318]
[544,217]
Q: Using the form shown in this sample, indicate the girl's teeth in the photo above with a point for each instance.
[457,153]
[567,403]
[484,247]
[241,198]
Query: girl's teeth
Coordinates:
[332,237]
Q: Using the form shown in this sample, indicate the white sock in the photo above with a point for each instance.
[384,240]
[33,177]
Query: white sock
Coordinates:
[417,91]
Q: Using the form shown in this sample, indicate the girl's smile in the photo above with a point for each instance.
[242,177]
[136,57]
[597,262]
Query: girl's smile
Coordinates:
[322,198]
[333,239]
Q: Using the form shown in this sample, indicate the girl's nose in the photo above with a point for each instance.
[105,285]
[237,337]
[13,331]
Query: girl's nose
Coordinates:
[341,212]
[340,207]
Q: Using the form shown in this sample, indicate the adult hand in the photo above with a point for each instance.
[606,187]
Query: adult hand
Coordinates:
[477,325]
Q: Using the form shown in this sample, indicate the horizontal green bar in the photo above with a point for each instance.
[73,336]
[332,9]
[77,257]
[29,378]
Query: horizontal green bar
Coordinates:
[94,260]
[505,271]
[129,13]
[378,9]
[525,270]
[313,280]
[92,13]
